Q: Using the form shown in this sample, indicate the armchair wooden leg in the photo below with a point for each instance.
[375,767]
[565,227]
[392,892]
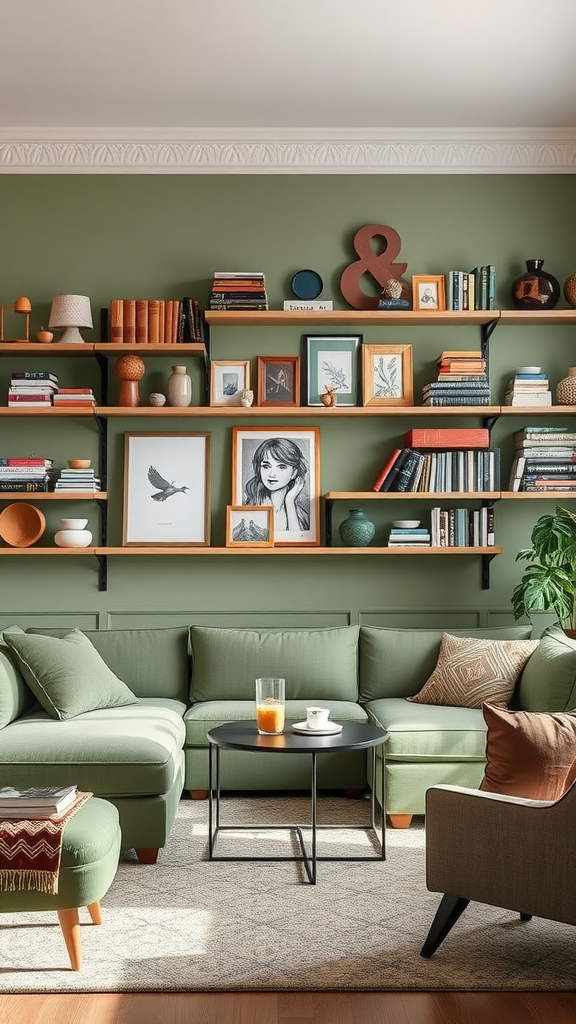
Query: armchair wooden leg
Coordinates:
[199,794]
[70,925]
[450,909]
[94,911]
[147,854]
[400,820]
[525,917]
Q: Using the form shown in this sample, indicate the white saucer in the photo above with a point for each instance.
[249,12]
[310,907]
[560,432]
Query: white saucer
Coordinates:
[302,727]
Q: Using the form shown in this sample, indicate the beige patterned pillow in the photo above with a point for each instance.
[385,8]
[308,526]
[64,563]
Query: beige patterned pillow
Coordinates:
[471,671]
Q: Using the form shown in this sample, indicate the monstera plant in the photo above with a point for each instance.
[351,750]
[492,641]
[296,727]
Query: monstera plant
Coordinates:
[549,582]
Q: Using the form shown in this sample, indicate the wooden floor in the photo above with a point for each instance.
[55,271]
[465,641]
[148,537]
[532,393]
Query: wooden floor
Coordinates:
[293,1008]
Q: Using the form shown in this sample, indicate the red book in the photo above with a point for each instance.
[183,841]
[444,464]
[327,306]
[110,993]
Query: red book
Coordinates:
[31,461]
[378,483]
[448,437]
[75,391]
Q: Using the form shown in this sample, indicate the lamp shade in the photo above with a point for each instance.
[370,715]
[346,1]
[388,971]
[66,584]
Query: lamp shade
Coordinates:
[71,312]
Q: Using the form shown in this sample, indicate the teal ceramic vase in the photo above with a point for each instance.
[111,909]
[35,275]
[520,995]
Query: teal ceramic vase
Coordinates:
[357,530]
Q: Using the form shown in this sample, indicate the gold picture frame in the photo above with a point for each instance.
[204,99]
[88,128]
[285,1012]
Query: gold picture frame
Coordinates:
[228,379]
[428,293]
[249,526]
[387,375]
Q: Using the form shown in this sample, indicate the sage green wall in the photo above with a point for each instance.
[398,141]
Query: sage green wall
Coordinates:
[112,236]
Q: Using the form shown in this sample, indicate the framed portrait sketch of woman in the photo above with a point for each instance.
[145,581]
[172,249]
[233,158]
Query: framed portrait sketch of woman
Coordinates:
[280,467]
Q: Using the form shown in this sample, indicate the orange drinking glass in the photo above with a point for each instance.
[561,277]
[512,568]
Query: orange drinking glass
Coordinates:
[270,706]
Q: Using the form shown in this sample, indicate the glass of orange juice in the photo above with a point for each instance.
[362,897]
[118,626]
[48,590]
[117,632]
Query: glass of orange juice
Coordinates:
[270,706]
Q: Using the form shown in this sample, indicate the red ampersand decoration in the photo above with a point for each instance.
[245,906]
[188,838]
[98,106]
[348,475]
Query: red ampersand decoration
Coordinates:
[380,266]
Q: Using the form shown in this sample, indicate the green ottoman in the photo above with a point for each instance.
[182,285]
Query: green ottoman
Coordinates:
[90,853]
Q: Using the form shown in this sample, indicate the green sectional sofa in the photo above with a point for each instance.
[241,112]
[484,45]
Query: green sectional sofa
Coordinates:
[138,738]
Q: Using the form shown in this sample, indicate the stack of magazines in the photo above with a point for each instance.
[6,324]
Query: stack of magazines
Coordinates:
[36,801]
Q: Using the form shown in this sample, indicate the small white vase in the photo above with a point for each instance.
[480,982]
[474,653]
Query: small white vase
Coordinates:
[73,536]
[179,387]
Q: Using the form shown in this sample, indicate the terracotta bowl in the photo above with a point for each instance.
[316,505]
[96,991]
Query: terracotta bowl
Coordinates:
[21,524]
[79,463]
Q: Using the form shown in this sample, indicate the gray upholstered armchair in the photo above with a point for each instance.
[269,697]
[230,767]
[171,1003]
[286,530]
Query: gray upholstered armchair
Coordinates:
[504,851]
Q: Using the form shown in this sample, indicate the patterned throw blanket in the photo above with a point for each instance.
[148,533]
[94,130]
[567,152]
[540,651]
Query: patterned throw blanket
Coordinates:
[30,850]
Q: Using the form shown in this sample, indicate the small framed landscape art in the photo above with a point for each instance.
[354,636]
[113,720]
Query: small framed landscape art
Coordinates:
[278,380]
[249,526]
[428,293]
[387,375]
[279,467]
[228,379]
[332,363]
[166,489]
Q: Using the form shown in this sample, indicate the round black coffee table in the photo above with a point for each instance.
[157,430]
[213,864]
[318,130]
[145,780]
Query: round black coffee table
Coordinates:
[245,736]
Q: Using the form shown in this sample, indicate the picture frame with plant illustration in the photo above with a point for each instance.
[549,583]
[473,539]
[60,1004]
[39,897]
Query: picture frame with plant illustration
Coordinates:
[332,363]
[387,375]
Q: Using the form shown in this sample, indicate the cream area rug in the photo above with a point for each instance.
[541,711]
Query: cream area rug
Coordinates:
[187,924]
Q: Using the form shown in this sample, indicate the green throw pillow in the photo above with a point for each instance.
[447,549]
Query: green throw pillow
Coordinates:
[548,682]
[67,675]
[15,697]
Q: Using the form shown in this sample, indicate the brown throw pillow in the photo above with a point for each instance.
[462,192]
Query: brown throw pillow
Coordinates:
[471,671]
[528,753]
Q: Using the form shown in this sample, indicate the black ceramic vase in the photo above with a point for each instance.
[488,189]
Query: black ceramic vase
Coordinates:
[535,289]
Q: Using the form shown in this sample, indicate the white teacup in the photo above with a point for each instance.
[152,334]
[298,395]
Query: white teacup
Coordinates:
[317,718]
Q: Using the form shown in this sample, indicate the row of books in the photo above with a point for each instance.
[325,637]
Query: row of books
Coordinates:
[237,290]
[154,321]
[461,470]
[36,801]
[462,527]
[528,388]
[25,474]
[544,459]
[475,289]
[462,380]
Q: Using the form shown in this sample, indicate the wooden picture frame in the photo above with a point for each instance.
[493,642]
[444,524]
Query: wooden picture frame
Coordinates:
[332,362]
[249,526]
[228,379]
[166,490]
[280,467]
[278,381]
[387,375]
[428,293]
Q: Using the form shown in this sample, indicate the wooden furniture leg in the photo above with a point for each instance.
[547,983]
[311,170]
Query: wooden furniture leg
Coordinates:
[70,925]
[199,794]
[400,820]
[450,909]
[147,854]
[94,911]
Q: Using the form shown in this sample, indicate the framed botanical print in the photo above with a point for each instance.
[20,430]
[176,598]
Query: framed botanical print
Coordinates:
[332,363]
[166,489]
[248,526]
[387,375]
[280,467]
[278,380]
[228,379]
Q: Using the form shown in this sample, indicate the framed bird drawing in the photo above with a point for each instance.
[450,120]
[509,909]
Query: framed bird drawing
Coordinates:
[166,489]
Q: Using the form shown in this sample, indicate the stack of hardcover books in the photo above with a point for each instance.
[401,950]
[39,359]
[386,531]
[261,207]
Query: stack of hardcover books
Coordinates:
[77,480]
[237,290]
[74,398]
[528,386]
[32,388]
[36,801]
[462,380]
[452,459]
[409,537]
[27,474]
[544,460]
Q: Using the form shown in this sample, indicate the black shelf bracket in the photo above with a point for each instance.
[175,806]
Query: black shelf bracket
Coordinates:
[328,505]
[486,559]
[102,572]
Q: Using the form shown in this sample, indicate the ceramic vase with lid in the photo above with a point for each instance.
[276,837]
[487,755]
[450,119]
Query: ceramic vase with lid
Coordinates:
[535,289]
[179,387]
[566,390]
[73,534]
[357,530]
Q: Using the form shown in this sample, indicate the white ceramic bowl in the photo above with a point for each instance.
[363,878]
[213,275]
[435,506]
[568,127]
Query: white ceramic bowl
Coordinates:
[73,538]
[406,524]
[73,524]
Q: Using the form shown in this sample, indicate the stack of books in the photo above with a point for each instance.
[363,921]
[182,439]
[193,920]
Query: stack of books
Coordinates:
[77,480]
[462,380]
[145,321]
[33,388]
[36,801]
[528,386]
[28,474]
[408,537]
[475,289]
[75,398]
[237,290]
[462,527]
[464,471]
[544,460]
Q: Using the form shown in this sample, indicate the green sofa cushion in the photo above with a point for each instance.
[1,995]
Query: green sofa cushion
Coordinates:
[16,698]
[200,718]
[67,675]
[317,664]
[397,662]
[548,682]
[151,662]
[429,732]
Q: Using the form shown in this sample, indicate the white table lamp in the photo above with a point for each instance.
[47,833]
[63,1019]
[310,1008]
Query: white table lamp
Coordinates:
[71,312]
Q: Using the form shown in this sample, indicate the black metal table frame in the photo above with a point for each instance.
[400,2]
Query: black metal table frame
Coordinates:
[308,859]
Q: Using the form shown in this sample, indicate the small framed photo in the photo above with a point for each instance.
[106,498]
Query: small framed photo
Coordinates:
[278,380]
[332,363]
[228,379]
[166,489]
[387,375]
[428,293]
[280,468]
[249,526]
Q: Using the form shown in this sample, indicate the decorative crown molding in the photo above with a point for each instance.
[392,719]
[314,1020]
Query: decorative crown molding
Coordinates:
[309,151]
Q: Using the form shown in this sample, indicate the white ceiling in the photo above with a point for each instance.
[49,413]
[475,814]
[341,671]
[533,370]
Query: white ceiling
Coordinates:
[360,73]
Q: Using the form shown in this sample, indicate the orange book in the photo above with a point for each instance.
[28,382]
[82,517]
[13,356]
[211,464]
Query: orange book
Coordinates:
[129,321]
[168,322]
[380,480]
[176,305]
[153,321]
[448,437]
[116,321]
[162,322]
[141,321]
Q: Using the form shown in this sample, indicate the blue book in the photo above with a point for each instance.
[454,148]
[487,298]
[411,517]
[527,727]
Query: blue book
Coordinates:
[406,529]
